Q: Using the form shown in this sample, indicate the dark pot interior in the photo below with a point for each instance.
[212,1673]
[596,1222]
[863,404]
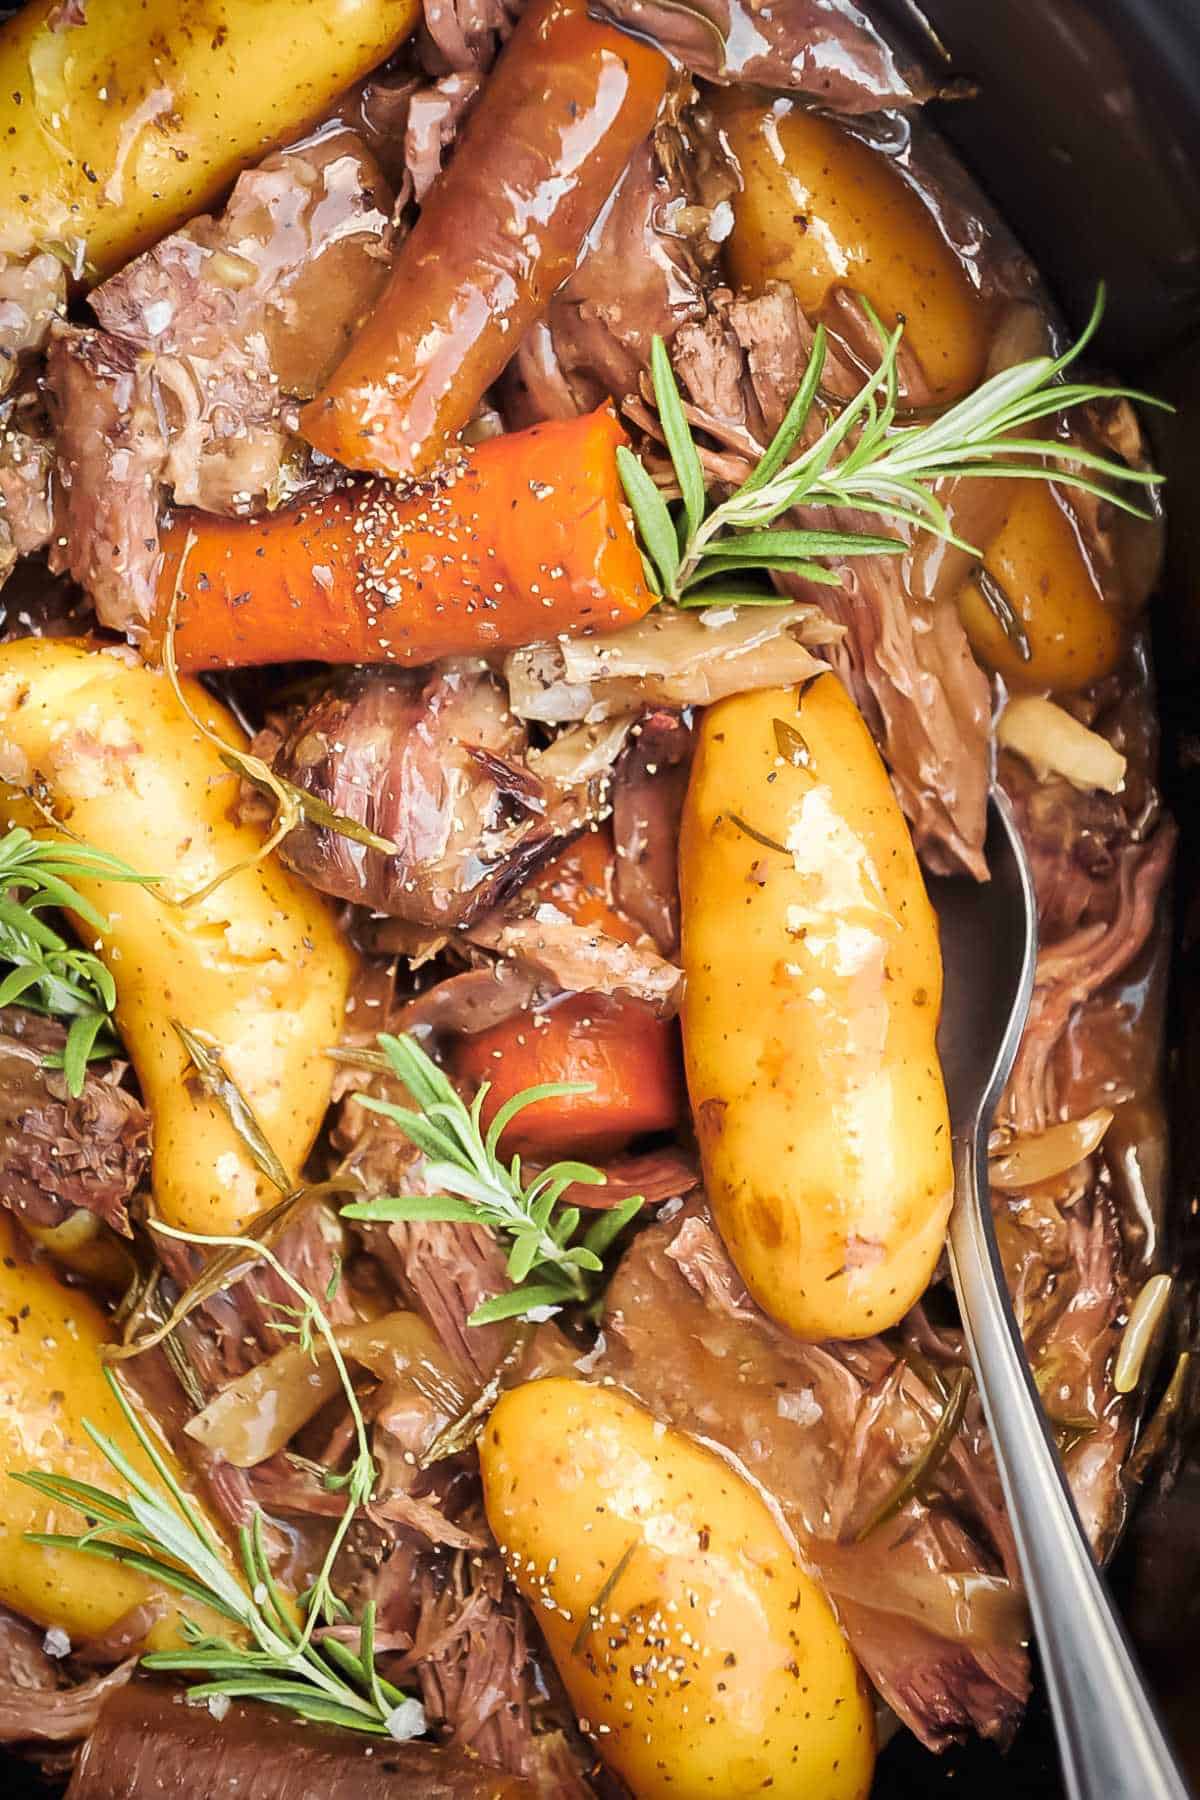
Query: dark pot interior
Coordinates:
[1086,131]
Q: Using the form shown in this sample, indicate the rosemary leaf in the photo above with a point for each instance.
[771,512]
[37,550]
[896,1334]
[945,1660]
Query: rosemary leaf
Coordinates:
[680,442]
[652,518]
[469,1182]
[220,1086]
[862,458]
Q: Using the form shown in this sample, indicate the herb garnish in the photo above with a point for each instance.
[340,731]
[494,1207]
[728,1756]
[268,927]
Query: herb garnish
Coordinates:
[162,1533]
[545,1265]
[863,461]
[48,974]
[918,1477]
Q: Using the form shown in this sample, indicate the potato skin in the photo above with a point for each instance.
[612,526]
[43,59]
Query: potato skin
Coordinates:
[1074,636]
[259,965]
[814,983]
[51,1379]
[719,1668]
[819,209]
[118,129]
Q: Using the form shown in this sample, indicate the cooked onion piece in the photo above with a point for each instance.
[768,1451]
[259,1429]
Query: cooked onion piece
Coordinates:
[1145,1317]
[1042,1155]
[671,657]
[256,1414]
[1053,742]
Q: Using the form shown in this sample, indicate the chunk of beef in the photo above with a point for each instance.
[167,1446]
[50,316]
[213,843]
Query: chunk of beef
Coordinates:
[648,792]
[437,764]
[209,339]
[828,49]
[110,453]
[640,276]
[149,1742]
[59,1153]
[33,293]
[39,1705]
[928,1598]
[582,959]
[262,297]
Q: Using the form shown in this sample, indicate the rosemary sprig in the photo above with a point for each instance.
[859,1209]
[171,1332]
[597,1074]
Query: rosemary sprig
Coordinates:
[47,973]
[162,1533]
[860,460]
[547,1264]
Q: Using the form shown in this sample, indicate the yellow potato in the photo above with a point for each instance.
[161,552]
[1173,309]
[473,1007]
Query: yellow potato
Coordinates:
[258,966]
[51,1379]
[118,129]
[814,983]
[819,209]
[1072,635]
[713,1664]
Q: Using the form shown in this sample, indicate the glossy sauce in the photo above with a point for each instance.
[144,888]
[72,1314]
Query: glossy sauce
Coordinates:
[568,104]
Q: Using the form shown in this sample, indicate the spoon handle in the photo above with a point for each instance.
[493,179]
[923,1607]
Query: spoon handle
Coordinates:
[1110,1739]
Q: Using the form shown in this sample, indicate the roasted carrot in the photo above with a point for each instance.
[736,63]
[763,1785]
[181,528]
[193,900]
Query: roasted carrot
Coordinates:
[561,115]
[526,536]
[628,1054]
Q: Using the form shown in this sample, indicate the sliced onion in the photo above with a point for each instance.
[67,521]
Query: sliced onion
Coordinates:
[1041,1155]
[983,1611]
[582,753]
[1054,743]
[259,1412]
[671,657]
[1145,1317]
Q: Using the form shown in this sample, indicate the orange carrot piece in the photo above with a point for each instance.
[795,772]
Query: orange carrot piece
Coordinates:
[563,111]
[526,536]
[629,1054]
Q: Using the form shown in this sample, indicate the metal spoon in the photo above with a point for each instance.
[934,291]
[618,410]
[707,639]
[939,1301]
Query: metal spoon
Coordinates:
[1110,1739]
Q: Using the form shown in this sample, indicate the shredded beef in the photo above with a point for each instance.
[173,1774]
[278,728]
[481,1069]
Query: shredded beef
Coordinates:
[59,1153]
[581,959]
[648,792]
[150,1742]
[444,1270]
[828,49]
[827,1430]
[464,35]
[639,277]
[38,1703]
[207,340]
[437,764]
